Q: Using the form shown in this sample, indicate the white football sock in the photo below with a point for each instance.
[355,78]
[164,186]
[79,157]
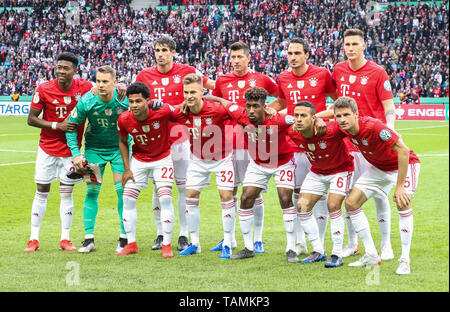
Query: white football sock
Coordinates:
[181,206]
[167,213]
[309,225]
[66,210]
[228,221]
[236,209]
[289,220]
[157,211]
[37,213]
[361,226]
[129,215]
[321,214]
[246,219]
[337,227]
[193,219]
[352,236]
[406,224]
[258,225]
[383,209]
[300,233]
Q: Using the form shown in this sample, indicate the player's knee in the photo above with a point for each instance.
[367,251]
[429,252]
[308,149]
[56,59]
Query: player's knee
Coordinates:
[351,204]
[303,205]
[247,200]
[333,206]
[286,200]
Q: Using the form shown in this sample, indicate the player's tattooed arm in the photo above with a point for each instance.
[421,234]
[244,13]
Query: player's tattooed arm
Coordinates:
[389,112]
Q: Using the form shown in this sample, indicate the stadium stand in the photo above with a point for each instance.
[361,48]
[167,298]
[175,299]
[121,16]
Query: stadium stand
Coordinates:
[409,40]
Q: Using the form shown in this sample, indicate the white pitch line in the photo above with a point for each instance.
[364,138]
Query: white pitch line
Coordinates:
[11,134]
[16,151]
[430,127]
[433,155]
[19,163]
[432,134]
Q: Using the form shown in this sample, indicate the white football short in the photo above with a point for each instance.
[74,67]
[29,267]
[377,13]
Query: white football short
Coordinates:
[259,176]
[374,181]
[361,164]
[302,169]
[49,168]
[319,184]
[160,171]
[241,159]
[199,173]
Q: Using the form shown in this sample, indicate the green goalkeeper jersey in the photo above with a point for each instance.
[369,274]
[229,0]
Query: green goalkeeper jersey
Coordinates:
[101,133]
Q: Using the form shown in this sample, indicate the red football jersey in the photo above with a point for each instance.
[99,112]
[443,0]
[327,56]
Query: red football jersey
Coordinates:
[56,105]
[168,87]
[312,86]
[151,137]
[266,143]
[369,86]
[328,154]
[206,130]
[374,141]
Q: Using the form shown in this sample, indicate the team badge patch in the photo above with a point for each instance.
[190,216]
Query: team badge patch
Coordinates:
[352,79]
[165,81]
[311,147]
[36,97]
[289,120]
[233,108]
[74,113]
[387,85]
[197,122]
[385,135]
[67,100]
[241,83]
[300,84]
[146,128]
[108,112]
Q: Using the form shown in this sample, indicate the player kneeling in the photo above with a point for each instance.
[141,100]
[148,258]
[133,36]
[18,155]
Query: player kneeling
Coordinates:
[393,163]
[331,169]
[150,159]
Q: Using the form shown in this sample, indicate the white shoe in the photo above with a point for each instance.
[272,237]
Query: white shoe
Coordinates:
[301,249]
[403,267]
[88,246]
[233,244]
[348,251]
[366,260]
[387,253]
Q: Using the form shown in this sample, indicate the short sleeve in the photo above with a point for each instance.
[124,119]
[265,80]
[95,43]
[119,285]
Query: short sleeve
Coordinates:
[384,88]
[37,101]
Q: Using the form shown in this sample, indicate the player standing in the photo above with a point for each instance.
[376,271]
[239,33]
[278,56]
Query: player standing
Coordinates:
[232,87]
[55,98]
[367,83]
[150,158]
[165,81]
[101,147]
[331,169]
[304,81]
[391,163]
[210,154]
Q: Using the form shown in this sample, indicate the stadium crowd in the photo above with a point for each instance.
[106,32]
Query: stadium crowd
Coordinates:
[411,42]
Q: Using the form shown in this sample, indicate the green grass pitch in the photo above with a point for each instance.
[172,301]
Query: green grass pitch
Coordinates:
[50,269]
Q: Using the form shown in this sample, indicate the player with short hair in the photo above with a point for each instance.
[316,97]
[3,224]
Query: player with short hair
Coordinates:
[367,83]
[101,146]
[331,170]
[150,159]
[391,163]
[55,99]
[210,154]
[304,81]
[232,87]
[165,81]
[265,139]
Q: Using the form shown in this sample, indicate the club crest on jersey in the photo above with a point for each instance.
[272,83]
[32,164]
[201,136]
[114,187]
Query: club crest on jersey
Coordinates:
[300,84]
[241,83]
[352,79]
[364,80]
[323,144]
[67,100]
[156,125]
[108,112]
[208,121]
[177,78]
[146,128]
[313,82]
[252,83]
[385,135]
[233,108]
[311,147]
[165,81]
[364,142]
[289,120]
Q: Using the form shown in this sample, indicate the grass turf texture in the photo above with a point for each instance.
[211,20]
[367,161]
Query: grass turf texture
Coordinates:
[50,269]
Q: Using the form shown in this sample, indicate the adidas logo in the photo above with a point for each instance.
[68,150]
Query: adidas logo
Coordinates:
[134,131]
[227,216]
[289,86]
[188,122]
[154,83]
[95,114]
[55,101]
[230,85]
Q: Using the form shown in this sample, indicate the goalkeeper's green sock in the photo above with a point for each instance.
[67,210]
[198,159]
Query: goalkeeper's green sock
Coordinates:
[90,209]
[119,191]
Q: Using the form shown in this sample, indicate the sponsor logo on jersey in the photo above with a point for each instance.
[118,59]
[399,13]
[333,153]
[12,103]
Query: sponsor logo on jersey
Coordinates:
[385,135]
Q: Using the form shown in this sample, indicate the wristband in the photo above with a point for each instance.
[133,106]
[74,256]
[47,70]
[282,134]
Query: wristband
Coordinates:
[54,125]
